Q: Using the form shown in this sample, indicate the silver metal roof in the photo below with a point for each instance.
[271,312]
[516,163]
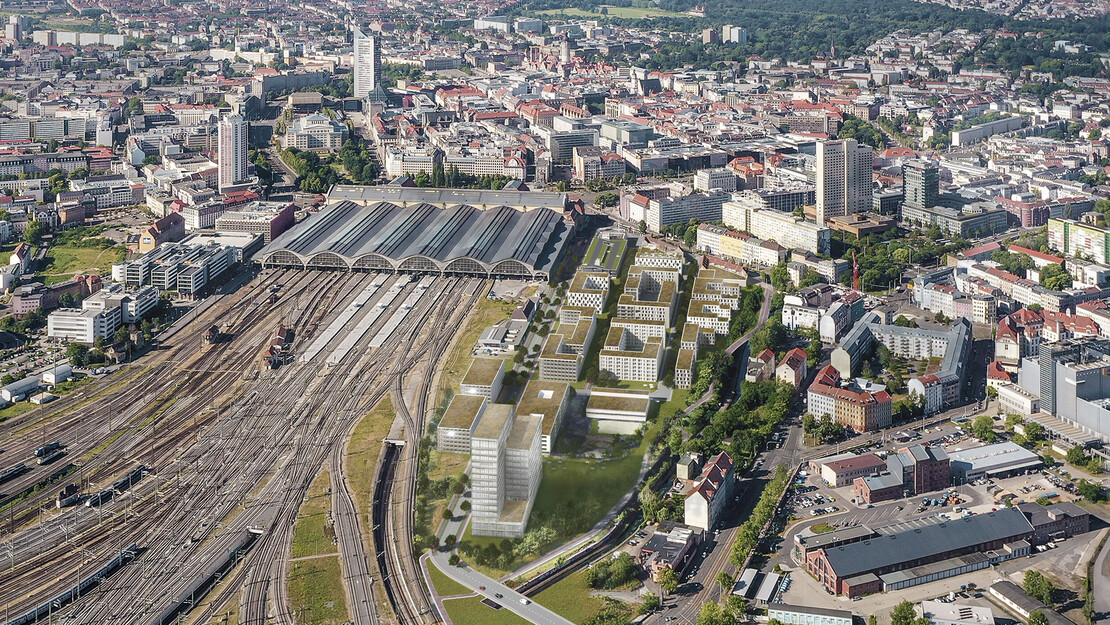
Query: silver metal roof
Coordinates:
[421,236]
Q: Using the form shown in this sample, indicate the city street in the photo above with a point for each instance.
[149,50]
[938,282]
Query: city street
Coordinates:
[510,599]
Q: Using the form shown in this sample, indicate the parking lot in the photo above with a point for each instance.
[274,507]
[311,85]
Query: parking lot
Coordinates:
[1065,562]
[1065,565]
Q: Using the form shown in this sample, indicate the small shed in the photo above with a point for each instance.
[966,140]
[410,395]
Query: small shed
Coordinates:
[57,374]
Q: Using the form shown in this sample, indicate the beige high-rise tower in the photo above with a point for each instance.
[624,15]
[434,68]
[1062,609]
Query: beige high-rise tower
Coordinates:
[843,178]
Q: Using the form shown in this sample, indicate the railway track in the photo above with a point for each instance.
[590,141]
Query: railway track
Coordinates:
[229,453]
[406,588]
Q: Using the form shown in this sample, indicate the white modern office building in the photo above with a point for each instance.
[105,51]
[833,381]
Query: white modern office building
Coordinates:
[233,162]
[367,63]
[506,467]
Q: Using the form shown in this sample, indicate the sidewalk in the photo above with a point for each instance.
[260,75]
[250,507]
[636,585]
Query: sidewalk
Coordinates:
[764,313]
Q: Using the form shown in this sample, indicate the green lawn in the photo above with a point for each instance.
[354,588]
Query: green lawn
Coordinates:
[578,484]
[571,599]
[311,535]
[470,611]
[316,592]
[445,586]
[576,493]
[676,402]
[66,261]
[16,409]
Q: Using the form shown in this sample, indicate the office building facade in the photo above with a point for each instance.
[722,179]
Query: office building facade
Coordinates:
[367,63]
[843,178]
[920,184]
[233,161]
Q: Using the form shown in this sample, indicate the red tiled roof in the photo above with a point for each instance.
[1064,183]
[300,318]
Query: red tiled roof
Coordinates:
[996,372]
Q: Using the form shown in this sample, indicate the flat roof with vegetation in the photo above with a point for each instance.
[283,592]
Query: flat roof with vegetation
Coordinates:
[461,412]
[551,348]
[581,330]
[606,254]
[482,371]
[541,397]
[578,283]
[626,399]
[685,359]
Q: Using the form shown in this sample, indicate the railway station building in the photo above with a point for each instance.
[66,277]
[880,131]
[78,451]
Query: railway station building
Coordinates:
[488,234]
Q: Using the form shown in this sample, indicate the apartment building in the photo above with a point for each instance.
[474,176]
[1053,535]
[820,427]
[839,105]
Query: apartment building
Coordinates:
[784,228]
[558,362]
[629,358]
[857,404]
[453,434]
[588,289]
[710,493]
[546,400]
[666,211]
[483,378]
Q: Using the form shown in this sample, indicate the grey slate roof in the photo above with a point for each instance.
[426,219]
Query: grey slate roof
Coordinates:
[892,549]
[387,231]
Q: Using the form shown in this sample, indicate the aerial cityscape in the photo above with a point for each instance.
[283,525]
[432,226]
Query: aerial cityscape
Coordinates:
[561,312]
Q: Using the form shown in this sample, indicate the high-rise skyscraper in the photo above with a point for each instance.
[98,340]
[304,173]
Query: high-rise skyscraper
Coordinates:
[368,63]
[920,184]
[843,178]
[233,161]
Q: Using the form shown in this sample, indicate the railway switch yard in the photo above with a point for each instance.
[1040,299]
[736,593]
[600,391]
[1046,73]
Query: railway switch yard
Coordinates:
[167,491]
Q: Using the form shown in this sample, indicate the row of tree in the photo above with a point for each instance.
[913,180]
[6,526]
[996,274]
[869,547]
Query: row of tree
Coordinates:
[452,178]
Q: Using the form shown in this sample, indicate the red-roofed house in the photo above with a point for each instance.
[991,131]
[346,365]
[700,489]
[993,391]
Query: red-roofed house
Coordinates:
[996,375]
[983,252]
[761,367]
[1040,259]
[710,494]
[792,369]
[855,407]
[169,228]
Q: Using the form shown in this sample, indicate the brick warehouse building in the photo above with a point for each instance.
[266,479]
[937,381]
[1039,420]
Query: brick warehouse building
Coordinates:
[898,560]
[924,469]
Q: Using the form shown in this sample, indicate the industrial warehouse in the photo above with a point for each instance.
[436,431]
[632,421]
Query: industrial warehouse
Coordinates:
[859,560]
[429,231]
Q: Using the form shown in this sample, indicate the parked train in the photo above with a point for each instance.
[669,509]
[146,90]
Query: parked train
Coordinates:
[46,449]
[52,456]
[14,472]
[56,602]
[117,488]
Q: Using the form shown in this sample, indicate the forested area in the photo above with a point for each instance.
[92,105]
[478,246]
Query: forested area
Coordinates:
[799,30]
